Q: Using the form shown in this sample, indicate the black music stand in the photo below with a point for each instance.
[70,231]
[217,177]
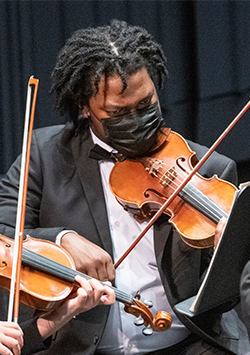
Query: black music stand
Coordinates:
[222,280]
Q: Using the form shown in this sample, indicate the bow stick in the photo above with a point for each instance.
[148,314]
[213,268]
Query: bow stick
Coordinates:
[20,218]
[181,186]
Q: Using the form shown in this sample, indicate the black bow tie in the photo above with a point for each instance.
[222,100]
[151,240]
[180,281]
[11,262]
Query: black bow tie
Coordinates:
[99,153]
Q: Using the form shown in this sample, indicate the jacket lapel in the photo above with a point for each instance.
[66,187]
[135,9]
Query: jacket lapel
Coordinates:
[89,174]
[162,231]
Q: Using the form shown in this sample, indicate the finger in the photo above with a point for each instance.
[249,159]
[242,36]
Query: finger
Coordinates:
[12,325]
[106,272]
[11,330]
[103,294]
[109,296]
[88,296]
[111,272]
[16,349]
[220,226]
[98,289]
[108,283]
[83,283]
[10,345]
[94,287]
[219,231]
[91,271]
[4,350]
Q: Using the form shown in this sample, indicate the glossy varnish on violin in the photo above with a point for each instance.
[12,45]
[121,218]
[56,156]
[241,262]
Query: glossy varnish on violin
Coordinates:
[38,289]
[143,186]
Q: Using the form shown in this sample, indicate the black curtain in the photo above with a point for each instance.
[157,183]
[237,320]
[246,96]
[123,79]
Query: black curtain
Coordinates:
[206,43]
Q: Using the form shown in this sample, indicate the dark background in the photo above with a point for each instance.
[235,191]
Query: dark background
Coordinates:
[207,44]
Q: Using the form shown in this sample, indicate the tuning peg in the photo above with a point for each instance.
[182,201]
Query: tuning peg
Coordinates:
[147,331]
[148,303]
[139,321]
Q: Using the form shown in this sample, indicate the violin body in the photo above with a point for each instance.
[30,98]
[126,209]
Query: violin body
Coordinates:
[38,289]
[142,186]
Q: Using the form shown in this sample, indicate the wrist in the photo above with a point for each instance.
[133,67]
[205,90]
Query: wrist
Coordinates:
[51,322]
[62,234]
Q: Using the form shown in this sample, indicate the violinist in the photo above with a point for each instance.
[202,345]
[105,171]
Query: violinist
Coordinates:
[105,82]
[36,334]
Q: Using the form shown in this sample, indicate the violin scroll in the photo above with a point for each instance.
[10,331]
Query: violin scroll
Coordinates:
[141,311]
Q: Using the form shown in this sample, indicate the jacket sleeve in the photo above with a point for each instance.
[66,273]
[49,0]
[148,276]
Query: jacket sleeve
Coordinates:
[217,164]
[9,188]
[32,339]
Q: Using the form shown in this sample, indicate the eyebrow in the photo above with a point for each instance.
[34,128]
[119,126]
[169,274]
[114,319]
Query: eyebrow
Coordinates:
[110,107]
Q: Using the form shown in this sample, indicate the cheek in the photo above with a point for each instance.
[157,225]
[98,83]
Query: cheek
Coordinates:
[155,98]
[97,128]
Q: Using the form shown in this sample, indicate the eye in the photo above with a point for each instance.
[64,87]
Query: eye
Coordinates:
[117,112]
[145,102]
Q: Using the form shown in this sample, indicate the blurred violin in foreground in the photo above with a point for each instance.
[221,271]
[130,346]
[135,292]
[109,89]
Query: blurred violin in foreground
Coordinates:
[48,277]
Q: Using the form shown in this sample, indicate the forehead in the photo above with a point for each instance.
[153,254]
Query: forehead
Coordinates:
[139,85]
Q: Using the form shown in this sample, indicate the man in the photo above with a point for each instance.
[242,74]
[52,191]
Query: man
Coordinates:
[105,81]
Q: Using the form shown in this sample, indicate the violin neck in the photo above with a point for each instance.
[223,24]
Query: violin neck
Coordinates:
[197,199]
[63,272]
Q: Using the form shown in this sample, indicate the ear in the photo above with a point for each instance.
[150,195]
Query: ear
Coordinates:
[85,111]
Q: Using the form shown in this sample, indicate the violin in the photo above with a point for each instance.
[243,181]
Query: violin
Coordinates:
[48,277]
[141,186]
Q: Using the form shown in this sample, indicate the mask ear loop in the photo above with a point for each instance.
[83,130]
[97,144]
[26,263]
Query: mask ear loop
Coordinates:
[89,116]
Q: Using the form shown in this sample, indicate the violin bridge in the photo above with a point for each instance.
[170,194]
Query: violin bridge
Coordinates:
[154,168]
[168,177]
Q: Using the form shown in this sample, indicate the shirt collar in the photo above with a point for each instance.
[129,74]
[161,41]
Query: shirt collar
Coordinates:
[96,140]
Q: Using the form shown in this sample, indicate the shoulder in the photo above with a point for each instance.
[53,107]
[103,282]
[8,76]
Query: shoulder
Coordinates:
[200,151]
[47,146]
[59,135]
[217,164]
[50,138]
[46,134]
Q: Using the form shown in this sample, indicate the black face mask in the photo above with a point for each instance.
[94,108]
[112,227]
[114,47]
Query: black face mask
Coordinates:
[136,133]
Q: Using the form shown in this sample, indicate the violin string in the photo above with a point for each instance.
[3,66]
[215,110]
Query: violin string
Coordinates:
[54,268]
[194,196]
[200,201]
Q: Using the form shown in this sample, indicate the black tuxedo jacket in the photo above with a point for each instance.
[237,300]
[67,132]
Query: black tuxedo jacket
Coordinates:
[65,192]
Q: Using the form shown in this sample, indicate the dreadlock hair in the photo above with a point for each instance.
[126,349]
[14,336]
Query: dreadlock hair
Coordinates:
[119,49]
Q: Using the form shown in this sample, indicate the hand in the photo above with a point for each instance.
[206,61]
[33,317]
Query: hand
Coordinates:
[11,338]
[89,295]
[219,230]
[89,258]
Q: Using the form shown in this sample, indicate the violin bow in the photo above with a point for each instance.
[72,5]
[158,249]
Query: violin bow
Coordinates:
[182,185]
[21,205]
